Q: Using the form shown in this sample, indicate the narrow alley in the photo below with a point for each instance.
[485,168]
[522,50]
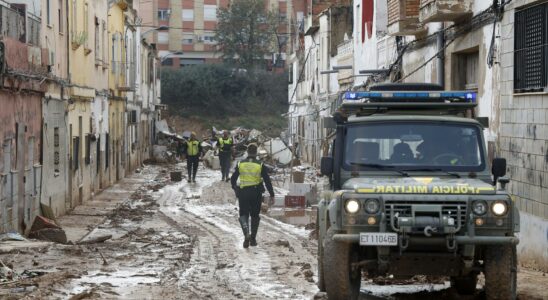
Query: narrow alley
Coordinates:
[182,241]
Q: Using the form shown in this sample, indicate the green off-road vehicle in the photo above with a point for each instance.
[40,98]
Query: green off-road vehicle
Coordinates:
[412,193]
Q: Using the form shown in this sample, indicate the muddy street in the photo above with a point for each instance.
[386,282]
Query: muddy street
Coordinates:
[179,240]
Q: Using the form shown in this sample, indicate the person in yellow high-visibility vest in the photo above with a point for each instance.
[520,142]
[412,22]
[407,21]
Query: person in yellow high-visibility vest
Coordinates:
[253,178]
[193,153]
[224,145]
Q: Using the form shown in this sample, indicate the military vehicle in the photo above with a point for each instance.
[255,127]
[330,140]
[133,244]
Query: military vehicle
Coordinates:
[412,193]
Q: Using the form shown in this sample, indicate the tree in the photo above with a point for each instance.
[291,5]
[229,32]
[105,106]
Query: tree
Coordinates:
[246,32]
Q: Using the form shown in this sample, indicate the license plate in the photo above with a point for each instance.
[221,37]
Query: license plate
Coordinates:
[378,239]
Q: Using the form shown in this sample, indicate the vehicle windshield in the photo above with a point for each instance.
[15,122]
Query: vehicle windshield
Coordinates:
[413,146]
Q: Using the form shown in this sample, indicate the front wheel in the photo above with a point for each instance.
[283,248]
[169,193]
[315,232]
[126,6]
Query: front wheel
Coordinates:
[342,282]
[500,272]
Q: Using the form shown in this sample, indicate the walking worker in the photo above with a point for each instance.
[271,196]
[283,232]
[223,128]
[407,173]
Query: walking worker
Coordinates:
[193,152]
[225,144]
[252,175]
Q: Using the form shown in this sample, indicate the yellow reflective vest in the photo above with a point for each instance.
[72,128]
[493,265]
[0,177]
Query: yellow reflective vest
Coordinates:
[250,173]
[223,142]
[192,148]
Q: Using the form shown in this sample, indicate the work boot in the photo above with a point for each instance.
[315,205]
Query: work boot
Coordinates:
[254,229]
[245,228]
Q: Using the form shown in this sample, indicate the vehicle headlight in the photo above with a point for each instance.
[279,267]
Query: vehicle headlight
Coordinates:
[499,208]
[479,208]
[372,206]
[352,206]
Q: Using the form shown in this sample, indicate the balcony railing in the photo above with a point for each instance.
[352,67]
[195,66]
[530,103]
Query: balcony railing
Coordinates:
[444,10]
[20,26]
[124,74]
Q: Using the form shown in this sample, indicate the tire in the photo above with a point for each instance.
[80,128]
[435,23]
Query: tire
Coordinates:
[465,285]
[500,271]
[321,279]
[340,282]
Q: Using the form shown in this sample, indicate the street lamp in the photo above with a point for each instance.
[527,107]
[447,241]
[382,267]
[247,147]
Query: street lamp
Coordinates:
[163,27]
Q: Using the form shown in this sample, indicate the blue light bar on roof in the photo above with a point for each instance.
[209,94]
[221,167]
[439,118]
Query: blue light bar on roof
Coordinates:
[467,96]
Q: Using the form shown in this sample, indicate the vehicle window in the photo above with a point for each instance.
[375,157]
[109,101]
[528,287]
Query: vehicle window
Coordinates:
[412,145]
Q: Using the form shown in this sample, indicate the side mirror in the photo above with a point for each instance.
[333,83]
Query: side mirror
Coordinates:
[499,168]
[326,167]
[484,121]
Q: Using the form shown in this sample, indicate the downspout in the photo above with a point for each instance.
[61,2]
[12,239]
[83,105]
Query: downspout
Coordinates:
[441,56]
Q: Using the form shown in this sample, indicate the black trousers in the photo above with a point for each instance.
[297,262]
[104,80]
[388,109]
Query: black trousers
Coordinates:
[225,158]
[192,166]
[249,200]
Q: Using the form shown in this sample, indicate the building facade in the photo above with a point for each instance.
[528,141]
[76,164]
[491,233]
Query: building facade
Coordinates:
[192,27]
[22,88]
[69,72]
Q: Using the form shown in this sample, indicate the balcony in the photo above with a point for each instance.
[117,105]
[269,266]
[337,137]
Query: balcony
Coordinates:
[403,18]
[444,10]
[345,56]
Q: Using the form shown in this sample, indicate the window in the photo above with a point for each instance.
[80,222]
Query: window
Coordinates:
[87,157]
[209,39]
[282,16]
[97,40]
[210,12]
[167,62]
[414,145]
[163,38]
[530,49]
[60,16]
[191,61]
[104,44]
[86,25]
[290,73]
[75,152]
[74,28]
[188,14]
[187,41]
[465,65]
[48,12]
[163,14]
[56,149]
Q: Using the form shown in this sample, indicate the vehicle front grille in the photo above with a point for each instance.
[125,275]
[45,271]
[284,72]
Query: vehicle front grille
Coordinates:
[449,208]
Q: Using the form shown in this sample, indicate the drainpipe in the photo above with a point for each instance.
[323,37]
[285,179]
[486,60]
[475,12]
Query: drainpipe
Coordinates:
[441,56]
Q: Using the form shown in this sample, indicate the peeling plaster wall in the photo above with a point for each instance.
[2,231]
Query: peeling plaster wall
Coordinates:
[55,175]
[20,135]
[366,53]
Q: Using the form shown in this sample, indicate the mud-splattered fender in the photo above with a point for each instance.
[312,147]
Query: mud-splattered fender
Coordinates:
[334,213]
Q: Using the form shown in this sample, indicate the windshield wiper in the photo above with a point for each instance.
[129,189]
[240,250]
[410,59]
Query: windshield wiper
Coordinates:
[379,167]
[457,175]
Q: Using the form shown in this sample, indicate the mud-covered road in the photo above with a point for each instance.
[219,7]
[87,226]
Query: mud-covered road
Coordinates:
[183,241]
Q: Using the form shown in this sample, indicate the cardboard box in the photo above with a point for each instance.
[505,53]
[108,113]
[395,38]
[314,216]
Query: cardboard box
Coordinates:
[295,201]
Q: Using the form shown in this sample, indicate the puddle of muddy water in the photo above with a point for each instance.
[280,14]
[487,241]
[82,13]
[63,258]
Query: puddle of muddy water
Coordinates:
[117,280]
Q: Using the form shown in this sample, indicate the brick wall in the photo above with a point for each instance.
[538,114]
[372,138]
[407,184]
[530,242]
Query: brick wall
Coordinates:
[401,10]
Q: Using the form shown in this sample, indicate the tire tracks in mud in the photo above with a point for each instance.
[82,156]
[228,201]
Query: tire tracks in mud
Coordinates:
[219,265]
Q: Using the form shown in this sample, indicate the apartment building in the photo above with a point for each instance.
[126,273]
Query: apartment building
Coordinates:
[190,37]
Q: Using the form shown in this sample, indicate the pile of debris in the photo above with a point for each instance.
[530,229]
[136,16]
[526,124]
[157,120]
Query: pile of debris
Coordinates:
[273,151]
